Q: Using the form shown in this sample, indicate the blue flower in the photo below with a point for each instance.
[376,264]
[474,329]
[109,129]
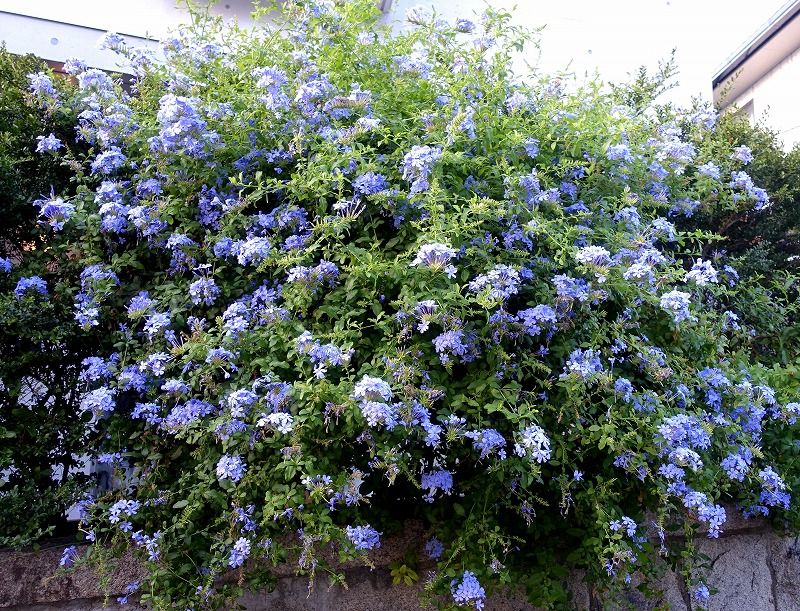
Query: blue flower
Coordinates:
[628,215]
[433,481]
[686,457]
[593,255]
[140,305]
[488,441]
[674,149]
[175,387]
[272,80]
[742,153]
[184,414]
[47,144]
[532,187]
[677,304]
[437,257]
[123,509]
[372,389]
[425,312]
[231,467]
[155,363]
[743,182]
[239,553]
[701,595]
[377,413]
[42,86]
[204,290]
[737,465]
[468,591]
[131,588]
[415,64]
[624,388]
[314,278]
[183,129]
[96,369]
[99,402]
[363,537]
[684,206]
[111,41]
[709,169]
[69,556]
[683,429]
[434,548]
[619,152]
[322,355]
[455,343]
[349,208]
[583,363]
[219,357]
[240,401]
[279,421]
[149,543]
[73,65]
[702,273]
[640,272]
[531,146]
[501,282]
[713,515]
[32,283]
[253,250]
[706,117]
[417,166]
[370,183]
[156,324]
[533,443]
[663,229]
[516,101]
[773,489]
[464,25]
[537,319]
[626,524]
[571,288]
[108,161]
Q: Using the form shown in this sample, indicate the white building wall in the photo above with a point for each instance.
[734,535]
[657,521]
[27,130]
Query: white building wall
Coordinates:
[776,99]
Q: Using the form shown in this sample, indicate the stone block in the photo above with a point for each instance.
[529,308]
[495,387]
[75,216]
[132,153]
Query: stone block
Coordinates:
[741,572]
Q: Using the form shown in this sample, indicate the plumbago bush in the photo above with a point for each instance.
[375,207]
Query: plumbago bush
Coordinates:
[354,277]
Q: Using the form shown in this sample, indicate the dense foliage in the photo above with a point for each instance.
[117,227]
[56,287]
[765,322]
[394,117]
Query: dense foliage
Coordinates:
[40,423]
[354,277]
[763,244]
[768,240]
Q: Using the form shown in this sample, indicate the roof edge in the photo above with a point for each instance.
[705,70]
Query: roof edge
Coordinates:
[774,25]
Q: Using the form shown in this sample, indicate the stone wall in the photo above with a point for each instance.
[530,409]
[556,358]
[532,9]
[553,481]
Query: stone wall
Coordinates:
[753,568]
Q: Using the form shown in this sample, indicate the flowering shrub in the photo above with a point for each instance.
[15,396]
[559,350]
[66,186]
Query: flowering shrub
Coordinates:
[357,277]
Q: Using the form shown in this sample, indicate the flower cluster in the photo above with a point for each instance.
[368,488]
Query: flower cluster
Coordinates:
[363,537]
[436,257]
[468,591]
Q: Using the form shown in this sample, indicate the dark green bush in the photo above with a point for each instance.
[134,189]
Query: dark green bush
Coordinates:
[769,239]
[41,346]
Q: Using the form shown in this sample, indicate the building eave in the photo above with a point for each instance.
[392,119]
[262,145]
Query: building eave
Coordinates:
[763,43]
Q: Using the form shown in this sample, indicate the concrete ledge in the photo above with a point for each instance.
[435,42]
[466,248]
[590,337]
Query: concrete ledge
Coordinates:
[753,568]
